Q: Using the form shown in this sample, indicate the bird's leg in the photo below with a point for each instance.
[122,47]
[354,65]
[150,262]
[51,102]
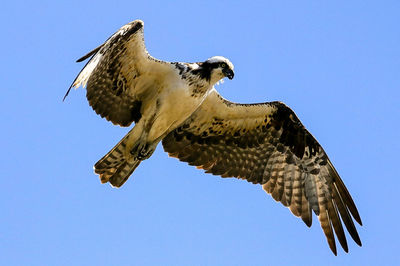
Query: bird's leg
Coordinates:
[145,151]
[142,150]
[138,146]
[136,140]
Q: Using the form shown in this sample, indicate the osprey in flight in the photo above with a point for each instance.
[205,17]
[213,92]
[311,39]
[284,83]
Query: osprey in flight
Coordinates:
[176,103]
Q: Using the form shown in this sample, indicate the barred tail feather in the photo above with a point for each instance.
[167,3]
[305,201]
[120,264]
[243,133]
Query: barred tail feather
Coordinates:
[123,172]
[114,167]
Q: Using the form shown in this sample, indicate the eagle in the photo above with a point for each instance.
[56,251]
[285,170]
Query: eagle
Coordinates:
[177,104]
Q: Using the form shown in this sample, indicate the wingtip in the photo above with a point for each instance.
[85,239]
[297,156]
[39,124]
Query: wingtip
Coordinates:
[83,58]
[334,251]
[66,94]
[345,246]
[353,210]
[137,21]
[358,218]
[91,53]
[357,240]
[308,222]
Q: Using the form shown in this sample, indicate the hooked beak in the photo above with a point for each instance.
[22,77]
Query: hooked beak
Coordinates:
[228,73]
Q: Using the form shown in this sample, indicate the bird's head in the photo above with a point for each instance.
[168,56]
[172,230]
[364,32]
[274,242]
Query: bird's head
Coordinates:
[217,68]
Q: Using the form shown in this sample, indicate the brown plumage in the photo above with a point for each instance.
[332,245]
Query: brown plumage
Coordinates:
[264,143]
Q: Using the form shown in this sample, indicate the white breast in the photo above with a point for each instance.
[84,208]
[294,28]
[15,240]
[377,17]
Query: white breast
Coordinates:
[176,104]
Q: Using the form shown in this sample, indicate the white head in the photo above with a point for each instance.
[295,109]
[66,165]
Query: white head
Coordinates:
[216,68]
[220,59]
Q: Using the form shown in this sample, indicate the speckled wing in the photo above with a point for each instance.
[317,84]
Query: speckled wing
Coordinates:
[266,144]
[118,75]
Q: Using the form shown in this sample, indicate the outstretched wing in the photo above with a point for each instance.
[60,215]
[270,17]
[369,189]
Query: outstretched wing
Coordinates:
[119,74]
[267,144]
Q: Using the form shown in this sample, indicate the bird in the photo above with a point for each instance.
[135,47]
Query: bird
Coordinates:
[176,103]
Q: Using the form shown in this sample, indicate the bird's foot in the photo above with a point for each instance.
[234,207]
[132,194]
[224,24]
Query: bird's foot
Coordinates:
[142,151]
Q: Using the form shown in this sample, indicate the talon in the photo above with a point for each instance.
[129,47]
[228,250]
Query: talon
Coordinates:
[143,153]
[135,150]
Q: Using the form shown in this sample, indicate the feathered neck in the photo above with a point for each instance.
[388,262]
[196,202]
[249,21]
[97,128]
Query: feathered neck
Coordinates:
[197,76]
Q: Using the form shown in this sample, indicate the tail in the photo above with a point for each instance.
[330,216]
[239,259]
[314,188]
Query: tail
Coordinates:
[114,167]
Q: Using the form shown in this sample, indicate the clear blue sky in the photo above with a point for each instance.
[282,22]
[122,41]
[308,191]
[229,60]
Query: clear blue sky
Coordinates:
[337,65]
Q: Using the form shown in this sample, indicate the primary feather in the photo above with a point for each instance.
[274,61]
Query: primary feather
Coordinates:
[176,103]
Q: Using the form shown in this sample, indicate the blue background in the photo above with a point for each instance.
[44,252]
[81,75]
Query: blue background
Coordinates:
[336,64]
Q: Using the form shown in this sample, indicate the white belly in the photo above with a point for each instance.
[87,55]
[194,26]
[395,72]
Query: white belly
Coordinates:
[175,106]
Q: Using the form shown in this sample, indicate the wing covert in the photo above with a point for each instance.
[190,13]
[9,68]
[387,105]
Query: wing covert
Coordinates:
[266,144]
[117,75]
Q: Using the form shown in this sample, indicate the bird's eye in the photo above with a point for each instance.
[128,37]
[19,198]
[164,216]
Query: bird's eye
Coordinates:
[223,65]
